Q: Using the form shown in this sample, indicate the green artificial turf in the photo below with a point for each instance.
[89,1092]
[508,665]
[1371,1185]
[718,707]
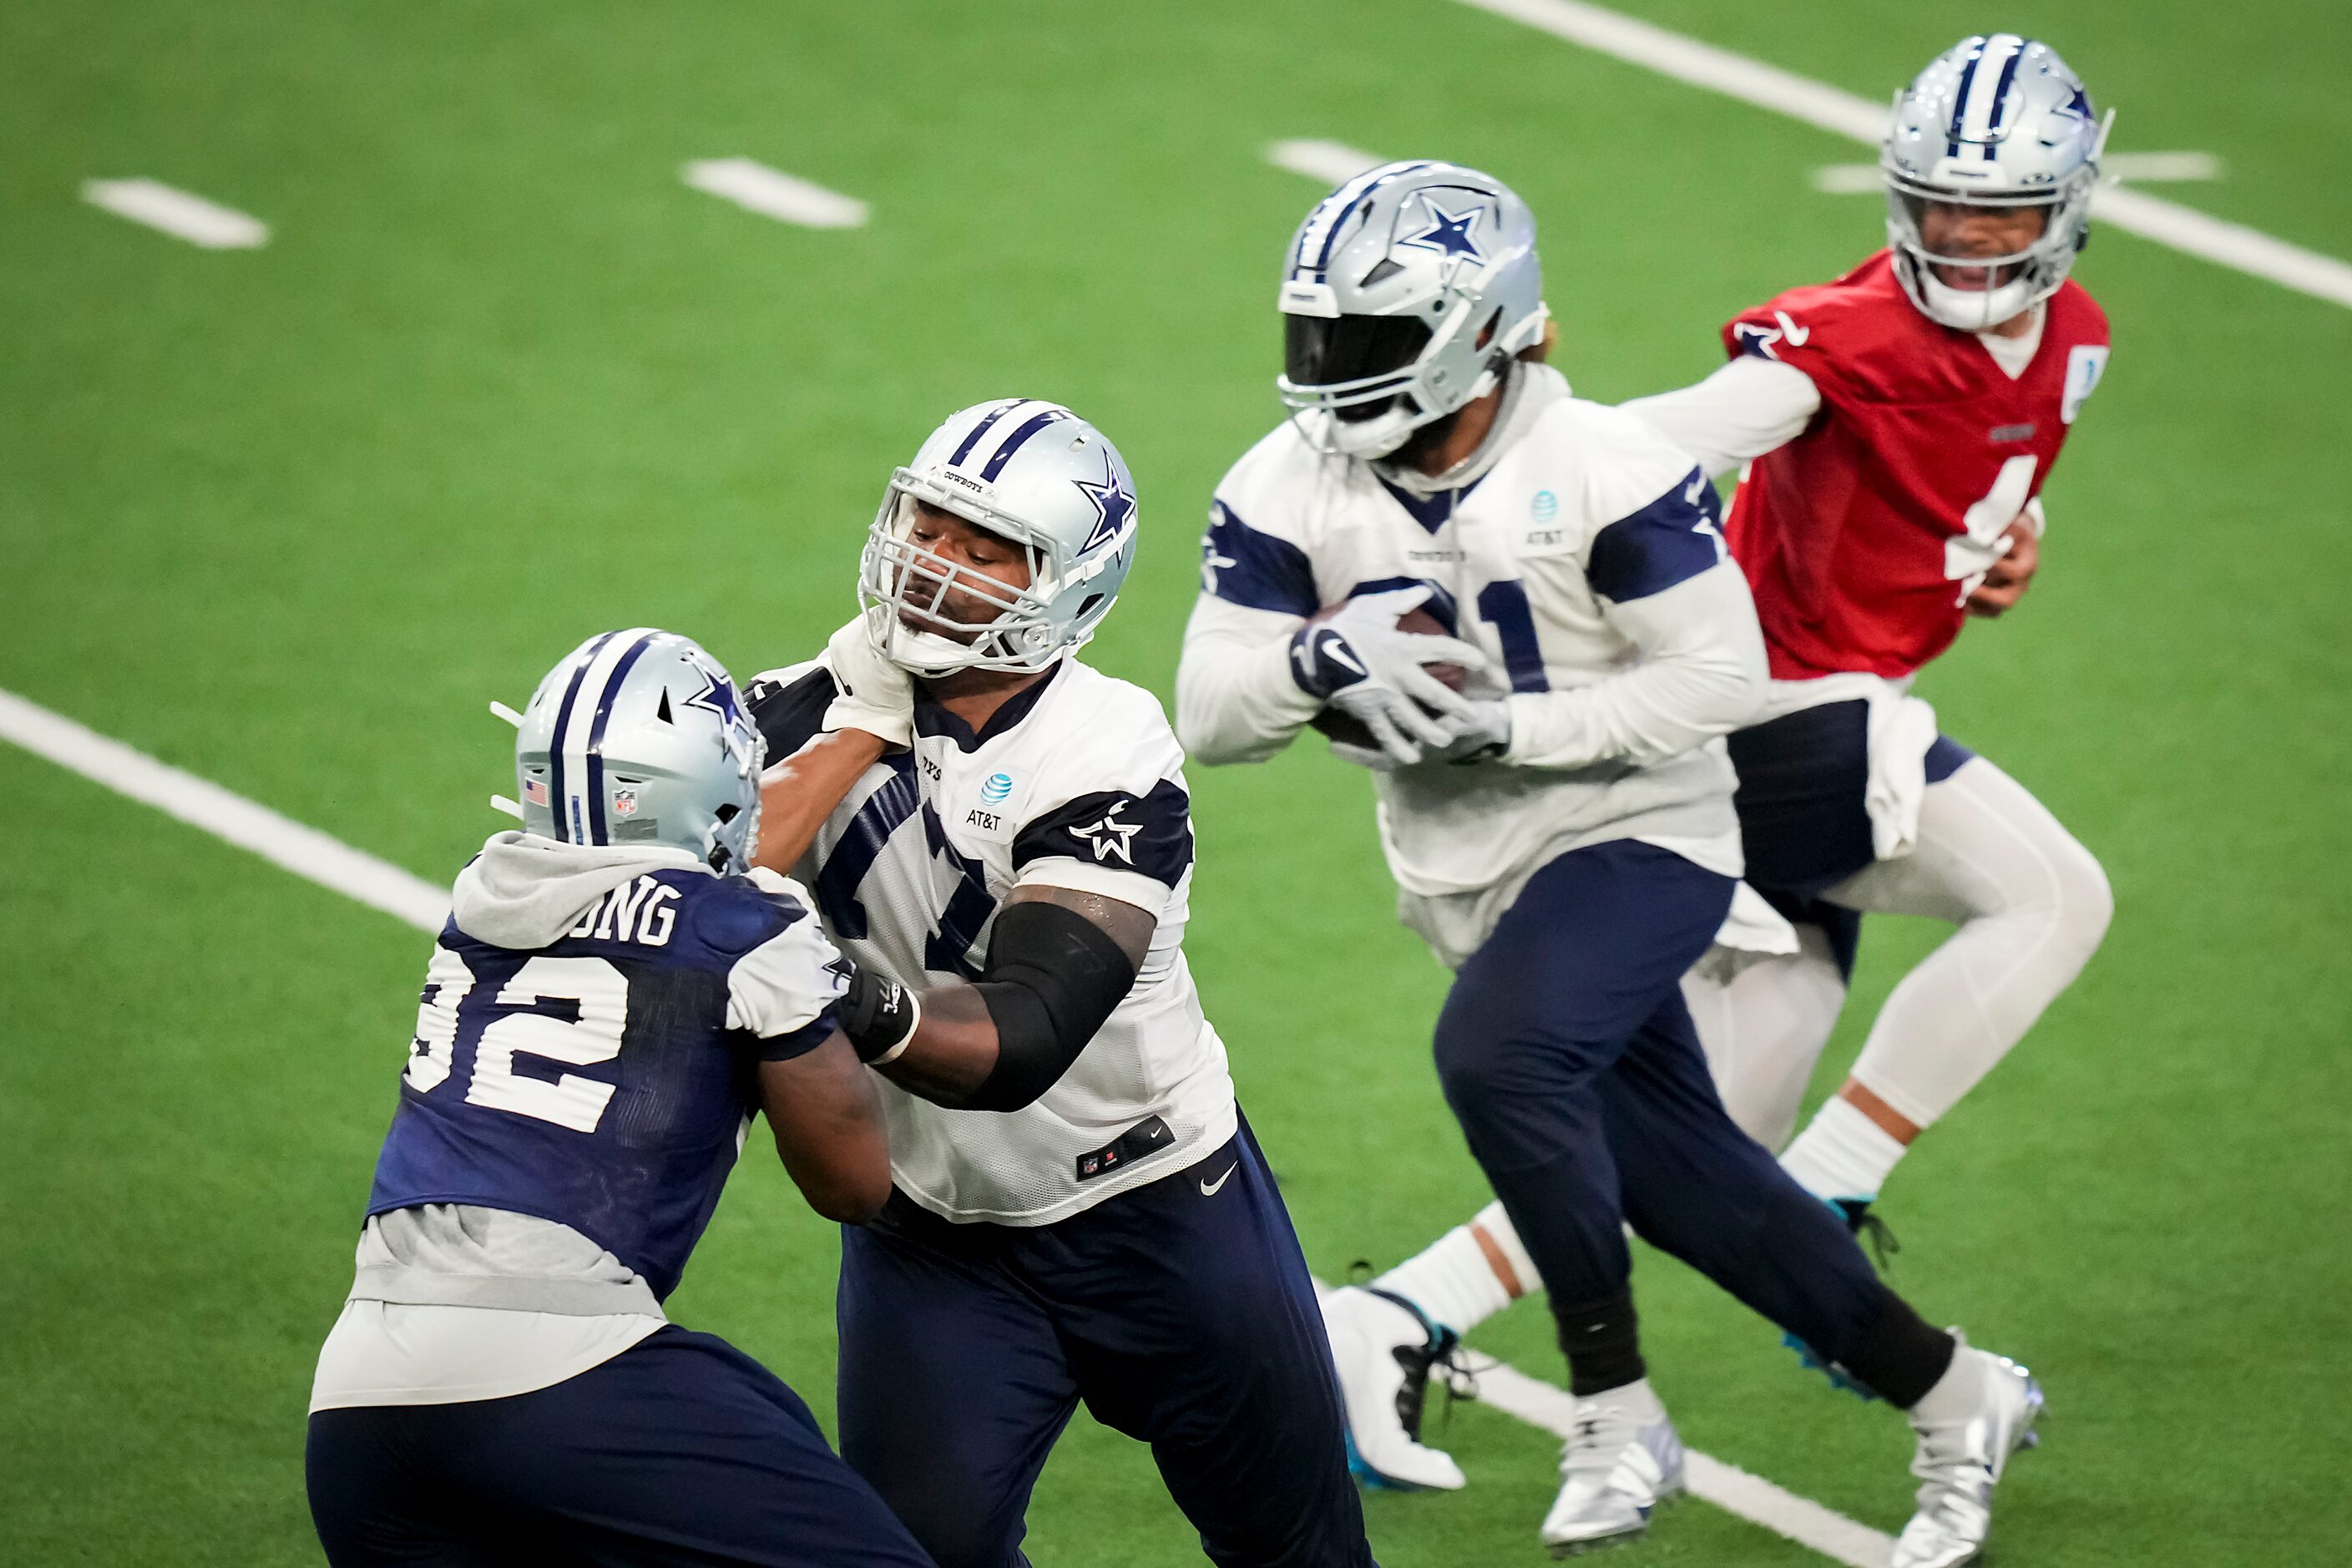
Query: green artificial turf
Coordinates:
[287,518]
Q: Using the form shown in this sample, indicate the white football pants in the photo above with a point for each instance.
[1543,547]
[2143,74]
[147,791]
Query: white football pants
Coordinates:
[2031,905]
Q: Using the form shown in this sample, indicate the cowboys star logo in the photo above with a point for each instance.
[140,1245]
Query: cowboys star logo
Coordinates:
[1110,835]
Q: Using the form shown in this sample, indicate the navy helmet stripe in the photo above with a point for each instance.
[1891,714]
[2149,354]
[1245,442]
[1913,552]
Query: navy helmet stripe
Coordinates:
[1960,101]
[1345,208]
[603,712]
[971,440]
[1013,443]
[555,736]
[2001,90]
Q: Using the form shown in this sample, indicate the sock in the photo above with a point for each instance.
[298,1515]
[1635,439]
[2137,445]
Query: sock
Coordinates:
[1468,1274]
[1603,1341]
[1900,1355]
[1841,1153]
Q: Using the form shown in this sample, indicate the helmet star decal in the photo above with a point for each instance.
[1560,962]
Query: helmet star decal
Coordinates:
[1113,504]
[717,696]
[1455,233]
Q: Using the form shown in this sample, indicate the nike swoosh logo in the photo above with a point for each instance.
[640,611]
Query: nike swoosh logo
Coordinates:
[1795,334]
[1209,1189]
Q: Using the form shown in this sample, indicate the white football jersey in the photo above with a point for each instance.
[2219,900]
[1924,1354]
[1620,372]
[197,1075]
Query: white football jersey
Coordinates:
[1585,510]
[1078,782]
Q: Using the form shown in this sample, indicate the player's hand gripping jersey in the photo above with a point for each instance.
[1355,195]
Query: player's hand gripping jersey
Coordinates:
[1586,564]
[1076,783]
[1864,535]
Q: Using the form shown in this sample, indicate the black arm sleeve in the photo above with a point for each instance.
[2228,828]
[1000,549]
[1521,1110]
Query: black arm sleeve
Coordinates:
[1053,977]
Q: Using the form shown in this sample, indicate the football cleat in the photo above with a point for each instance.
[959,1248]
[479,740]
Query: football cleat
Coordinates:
[1983,1411]
[1621,1460]
[1383,1348]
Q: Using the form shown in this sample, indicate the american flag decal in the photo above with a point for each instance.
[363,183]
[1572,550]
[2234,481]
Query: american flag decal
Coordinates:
[534,791]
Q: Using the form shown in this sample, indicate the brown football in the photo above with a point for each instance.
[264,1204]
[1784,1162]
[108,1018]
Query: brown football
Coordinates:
[1350,731]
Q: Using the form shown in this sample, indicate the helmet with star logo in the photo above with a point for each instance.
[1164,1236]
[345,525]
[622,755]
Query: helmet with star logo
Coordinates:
[1035,475]
[638,737]
[1993,125]
[1406,294]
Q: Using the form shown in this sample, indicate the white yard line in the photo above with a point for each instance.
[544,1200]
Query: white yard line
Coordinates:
[200,803]
[2185,229]
[180,213]
[773,194]
[1333,162]
[1730,1488]
[333,864]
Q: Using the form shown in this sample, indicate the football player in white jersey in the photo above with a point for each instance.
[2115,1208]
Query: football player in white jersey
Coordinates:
[999,839]
[1561,829]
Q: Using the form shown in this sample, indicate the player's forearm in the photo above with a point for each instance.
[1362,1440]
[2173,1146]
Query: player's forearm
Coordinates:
[797,793]
[953,1050]
[827,1124]
[1060,962]
[1744,410]
[1237,701]
[1702,674]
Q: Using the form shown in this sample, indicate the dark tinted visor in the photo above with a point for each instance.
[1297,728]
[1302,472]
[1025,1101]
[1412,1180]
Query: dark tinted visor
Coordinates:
[1322,350]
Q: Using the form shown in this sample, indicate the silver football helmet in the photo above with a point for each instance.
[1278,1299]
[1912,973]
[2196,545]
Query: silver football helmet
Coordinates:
[1996,122]
[637,737]
[1406,293]
[1034,474]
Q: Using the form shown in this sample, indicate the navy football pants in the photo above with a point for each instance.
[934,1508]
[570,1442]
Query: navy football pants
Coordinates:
[681,1450]
[1181,1312]
[1570,1059]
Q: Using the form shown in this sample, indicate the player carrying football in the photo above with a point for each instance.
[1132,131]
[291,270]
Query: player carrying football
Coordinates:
[1898,425]
[1563,835]
[1000,838]
[610,1000]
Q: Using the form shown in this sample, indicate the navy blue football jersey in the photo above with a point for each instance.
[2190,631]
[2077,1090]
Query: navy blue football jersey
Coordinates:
[604,1081]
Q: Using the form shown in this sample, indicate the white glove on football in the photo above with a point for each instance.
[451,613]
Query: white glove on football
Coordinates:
[877,696]
[1482,731]
[1358,662]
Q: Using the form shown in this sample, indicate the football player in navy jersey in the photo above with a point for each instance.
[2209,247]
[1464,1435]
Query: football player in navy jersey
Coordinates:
[999,838]
[615,994]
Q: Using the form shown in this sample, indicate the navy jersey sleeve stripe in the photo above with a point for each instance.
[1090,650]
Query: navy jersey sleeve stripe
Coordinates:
[1153,834]
[789,716]
[793,1042]
[1243,566]
[1670,540]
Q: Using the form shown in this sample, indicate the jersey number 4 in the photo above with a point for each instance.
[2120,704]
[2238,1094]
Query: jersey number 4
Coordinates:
[568,1010]
[1969,556]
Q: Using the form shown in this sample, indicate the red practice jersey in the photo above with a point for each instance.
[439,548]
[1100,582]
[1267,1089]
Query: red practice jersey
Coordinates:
[1861,537]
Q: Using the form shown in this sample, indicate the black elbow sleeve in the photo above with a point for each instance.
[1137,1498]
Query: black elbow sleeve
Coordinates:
[1053,977]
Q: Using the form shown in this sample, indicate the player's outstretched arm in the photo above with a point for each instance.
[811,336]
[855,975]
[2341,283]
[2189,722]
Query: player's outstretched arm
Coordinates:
[872,708]
[799,792]
[822,1107]
[1060,960]
[1746,408]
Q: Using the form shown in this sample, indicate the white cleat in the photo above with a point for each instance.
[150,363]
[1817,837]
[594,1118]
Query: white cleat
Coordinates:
[1623,1460]
[1980,1413]
[1383,1350]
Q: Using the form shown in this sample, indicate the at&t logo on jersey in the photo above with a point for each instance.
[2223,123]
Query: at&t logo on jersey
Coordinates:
[996,788]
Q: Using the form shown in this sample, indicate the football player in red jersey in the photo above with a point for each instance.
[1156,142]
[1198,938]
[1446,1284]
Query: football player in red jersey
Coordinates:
[1898,425]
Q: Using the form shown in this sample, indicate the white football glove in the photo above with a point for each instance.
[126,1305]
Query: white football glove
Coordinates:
[1483,729]
[1358,662]
[877,696]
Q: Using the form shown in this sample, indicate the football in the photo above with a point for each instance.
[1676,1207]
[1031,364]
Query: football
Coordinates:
[1349,730]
